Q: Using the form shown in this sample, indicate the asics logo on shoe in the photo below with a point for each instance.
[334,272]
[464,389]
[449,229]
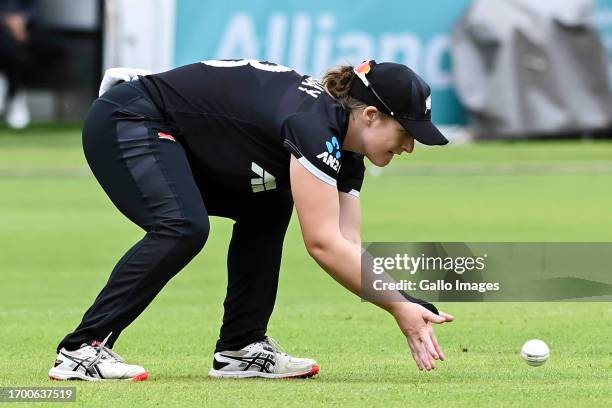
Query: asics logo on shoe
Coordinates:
[332,155]
[81,365]
[263,362]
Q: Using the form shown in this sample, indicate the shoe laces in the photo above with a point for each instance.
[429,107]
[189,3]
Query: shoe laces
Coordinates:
[103,353]
[276,347]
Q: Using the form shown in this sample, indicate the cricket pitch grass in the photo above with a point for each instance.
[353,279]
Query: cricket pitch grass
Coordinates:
[61,236]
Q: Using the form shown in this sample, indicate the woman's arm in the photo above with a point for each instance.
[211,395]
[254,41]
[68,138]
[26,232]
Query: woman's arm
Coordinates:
[318,209]
[350,218]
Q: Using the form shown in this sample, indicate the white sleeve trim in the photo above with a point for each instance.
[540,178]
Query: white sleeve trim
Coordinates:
[354,193]
[317,173]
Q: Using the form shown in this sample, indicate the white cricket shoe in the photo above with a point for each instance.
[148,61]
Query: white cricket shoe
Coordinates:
[94,362]
[17,111]
[262,359]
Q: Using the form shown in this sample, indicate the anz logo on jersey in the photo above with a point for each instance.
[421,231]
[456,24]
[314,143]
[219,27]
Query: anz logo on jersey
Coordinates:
[332,155]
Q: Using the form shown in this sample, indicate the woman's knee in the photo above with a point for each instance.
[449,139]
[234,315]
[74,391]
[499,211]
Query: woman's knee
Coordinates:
[199,230]
[195,232]
[190,232]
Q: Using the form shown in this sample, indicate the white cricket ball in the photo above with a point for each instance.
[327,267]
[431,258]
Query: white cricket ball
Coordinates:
[535,352]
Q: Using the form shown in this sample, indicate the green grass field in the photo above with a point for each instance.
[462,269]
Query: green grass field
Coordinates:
[61,236]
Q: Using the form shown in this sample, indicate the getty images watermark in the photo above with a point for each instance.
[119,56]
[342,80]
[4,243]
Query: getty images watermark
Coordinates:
[420,263]
[471,272]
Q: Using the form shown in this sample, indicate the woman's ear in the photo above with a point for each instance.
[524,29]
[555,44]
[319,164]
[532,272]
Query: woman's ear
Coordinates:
[370,114]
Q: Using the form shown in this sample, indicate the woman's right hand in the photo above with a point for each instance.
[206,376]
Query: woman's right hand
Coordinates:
[416,323]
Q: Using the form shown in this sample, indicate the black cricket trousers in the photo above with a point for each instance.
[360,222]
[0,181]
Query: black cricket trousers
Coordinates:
[157,184]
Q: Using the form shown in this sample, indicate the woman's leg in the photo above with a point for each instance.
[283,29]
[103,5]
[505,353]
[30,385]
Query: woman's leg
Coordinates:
[150,181]
[253,264]
[13,58]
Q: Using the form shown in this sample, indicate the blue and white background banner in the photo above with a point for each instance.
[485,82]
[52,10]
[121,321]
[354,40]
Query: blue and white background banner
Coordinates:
[314,35]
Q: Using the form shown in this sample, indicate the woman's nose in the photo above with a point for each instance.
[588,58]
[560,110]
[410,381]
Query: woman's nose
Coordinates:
[408,147]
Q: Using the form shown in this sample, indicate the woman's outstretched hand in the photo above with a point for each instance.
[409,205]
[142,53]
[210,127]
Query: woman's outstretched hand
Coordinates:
[416,323]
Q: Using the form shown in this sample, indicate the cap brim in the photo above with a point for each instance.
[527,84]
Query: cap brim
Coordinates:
[423,131]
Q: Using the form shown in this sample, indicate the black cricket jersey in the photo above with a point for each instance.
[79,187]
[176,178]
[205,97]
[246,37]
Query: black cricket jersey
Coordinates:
[242,119]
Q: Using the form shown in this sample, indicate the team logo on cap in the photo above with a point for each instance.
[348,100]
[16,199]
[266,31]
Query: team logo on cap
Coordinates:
[332,155]
[428,104]
[165,136]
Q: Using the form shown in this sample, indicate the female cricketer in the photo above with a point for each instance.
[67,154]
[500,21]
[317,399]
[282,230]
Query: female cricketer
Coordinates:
[244,139]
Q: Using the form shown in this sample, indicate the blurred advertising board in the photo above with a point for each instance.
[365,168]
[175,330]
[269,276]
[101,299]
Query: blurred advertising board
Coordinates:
[312,36]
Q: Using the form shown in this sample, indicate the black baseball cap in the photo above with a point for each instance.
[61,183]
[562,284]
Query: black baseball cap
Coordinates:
[398,91]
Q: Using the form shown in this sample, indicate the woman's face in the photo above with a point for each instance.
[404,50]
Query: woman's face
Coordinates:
[383,138]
